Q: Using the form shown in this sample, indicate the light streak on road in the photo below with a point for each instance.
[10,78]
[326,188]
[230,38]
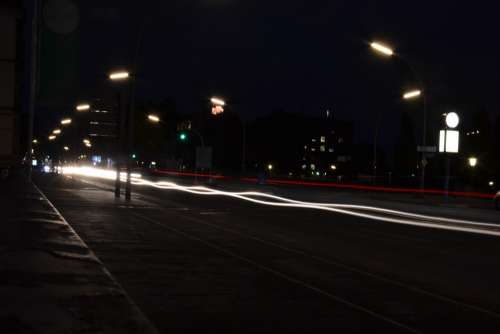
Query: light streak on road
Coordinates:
[361,211]
[98,173]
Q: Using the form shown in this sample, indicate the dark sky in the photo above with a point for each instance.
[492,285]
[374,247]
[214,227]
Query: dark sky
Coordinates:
[299,55]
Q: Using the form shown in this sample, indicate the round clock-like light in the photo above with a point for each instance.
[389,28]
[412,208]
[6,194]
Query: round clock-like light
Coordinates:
[452,120]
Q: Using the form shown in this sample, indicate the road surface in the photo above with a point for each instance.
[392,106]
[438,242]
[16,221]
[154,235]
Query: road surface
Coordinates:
[196,263]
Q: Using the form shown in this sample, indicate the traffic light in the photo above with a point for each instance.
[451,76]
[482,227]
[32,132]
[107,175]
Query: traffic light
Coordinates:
[183,136]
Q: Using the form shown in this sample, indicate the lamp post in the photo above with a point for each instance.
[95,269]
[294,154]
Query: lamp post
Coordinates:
[124,126]
[389,52]
[217,109]
[406,96]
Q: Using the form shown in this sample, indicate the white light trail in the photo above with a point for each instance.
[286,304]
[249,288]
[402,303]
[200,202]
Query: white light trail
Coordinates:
[382,214]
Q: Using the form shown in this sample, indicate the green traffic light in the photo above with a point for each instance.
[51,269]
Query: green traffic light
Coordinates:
[182,136]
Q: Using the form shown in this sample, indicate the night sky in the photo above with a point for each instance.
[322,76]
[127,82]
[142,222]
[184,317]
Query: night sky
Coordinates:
[305,56]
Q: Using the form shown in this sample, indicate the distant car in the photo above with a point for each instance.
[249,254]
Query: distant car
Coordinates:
[497,200]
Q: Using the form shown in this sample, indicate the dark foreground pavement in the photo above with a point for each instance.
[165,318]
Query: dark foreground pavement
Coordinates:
[198,264]
[50,282]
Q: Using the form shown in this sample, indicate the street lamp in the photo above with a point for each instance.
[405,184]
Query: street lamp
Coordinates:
[66,121]
[270,167]
[56,132]
[217,105]
[381,48]
[52,137]
[66,148]
[154,118]
[472,162]
[121,75]
[83,107]
[412,94]
[387,51]
[86,141]
[35,141]
[126,119]
[217,101]
[217,109]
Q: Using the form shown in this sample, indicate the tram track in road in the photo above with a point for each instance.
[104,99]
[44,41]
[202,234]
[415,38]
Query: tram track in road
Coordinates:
[368,284]
[344,266]
[285,276]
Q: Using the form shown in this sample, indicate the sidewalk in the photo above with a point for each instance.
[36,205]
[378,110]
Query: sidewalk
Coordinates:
[50,281]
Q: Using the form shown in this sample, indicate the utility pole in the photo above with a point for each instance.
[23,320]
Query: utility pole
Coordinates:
[120,127]
[33,85]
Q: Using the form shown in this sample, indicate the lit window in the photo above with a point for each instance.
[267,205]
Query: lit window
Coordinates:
[313,149]
[341,140]
[322,148]
[322,139]
[313,140]
[305,147]
[313,166]
[304,166]
[330,150]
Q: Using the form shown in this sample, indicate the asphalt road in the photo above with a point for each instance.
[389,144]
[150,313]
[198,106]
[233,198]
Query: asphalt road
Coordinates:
[215,264]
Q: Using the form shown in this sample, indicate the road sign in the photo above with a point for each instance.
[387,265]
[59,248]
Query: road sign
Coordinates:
[450,139]
[428,149]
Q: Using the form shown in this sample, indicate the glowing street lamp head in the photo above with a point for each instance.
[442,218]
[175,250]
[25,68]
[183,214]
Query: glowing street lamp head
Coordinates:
[333,167]
[217,110]
[452,120]
[89,145]
[66,121]
[52,137]
[56,132]
[472,161]
[412,94]
[218,102]
[66,148]
[154,118]
[270,167]
[86,141]
[83,107]
[122,75]
[35,141]
[382,48]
